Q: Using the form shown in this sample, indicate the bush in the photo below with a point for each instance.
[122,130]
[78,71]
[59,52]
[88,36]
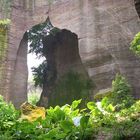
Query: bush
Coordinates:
[135,44]
[8,115]
[121,93]
[33,98]
[70,122]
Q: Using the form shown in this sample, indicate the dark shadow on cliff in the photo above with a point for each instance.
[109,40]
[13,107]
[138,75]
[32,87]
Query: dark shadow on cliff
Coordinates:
[137,6]
[65,78]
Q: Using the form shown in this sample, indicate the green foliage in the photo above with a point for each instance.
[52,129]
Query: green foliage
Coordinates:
[69,122]
[33,98]
[121,93]
[5,136]
[8,115]
[127,130]
[35,37]
[128,125]
[37,33]
[38,74]
[3,48]
[135,44]
[33,92]
[4,23]
[5,6]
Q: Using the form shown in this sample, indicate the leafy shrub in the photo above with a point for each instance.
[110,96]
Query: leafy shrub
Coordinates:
[38,74]
[33,98]
[8,115]
[60,124]
[127,125]
[5,136]
[121,93]
[71,123]
[135,44]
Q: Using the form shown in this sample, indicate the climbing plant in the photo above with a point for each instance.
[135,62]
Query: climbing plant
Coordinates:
[3,37]
[135,44]
[35,36]
[37,33]
[5,8]
[3,48]
[38,73]
[4,23]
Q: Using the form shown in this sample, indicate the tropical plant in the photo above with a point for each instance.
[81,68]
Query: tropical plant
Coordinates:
[8,115]
[71,123]
[121,93]
[135,44]
[39,74]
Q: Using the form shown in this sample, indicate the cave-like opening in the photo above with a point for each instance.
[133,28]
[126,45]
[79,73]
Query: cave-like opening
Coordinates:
[60,73]
[35,59]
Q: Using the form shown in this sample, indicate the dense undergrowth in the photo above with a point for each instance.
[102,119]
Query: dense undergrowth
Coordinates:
[115,120]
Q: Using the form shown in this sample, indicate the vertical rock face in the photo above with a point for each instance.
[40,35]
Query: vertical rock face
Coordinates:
[63,60]
[105,29]
[20,74]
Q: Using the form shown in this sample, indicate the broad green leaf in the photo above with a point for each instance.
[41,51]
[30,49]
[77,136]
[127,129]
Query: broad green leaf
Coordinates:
[104,102]
[60,115]
[110,107]
[61,135]
[52,133]
[91,105]
[84,122]
[75,104]
[67,125]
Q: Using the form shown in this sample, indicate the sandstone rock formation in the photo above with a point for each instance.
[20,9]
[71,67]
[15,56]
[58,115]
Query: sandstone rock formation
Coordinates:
[18,84]
[63,64]
[105,29]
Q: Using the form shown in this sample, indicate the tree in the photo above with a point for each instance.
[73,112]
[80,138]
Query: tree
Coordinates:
[135,44]
[121,93]
[35,36]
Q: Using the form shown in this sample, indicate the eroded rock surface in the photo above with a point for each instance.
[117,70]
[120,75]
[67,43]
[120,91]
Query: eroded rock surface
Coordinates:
[105,30]
[64,70]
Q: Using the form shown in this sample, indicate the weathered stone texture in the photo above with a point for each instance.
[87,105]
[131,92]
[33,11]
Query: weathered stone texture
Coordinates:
[105,29]
[62,55]
[20,74]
